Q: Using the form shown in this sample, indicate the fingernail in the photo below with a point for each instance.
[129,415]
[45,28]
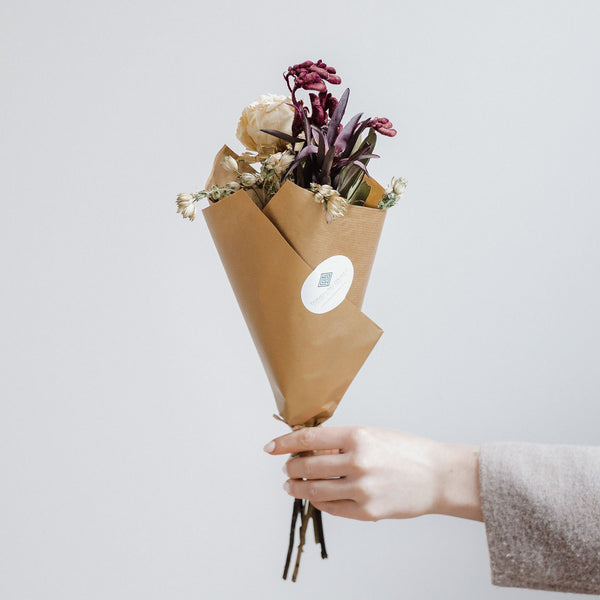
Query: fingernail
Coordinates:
[286,486]
[270,446]
[284,468]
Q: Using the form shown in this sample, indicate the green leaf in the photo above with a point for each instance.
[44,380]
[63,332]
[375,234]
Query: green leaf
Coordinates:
[371,139]
[357,145]
[348,178]
[361,193]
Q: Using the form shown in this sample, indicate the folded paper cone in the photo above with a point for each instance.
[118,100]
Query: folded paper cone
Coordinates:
[310,359]
[302,223]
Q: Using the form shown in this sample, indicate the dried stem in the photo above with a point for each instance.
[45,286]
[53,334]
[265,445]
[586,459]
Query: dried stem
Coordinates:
[318,520]
[316,526]
[306,516]
[307,512]
[297,510]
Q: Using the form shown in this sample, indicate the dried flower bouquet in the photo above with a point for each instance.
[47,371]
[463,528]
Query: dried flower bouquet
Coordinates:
[297,237]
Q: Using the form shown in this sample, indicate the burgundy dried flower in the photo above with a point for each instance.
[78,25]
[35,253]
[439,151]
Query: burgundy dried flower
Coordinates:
[383,126]
[298,122]
[318,116]
[331,104]
[323,107]
[310,81]
[311,76]
[327,73]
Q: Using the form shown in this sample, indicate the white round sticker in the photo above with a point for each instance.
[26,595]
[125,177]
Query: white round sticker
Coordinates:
[327,286]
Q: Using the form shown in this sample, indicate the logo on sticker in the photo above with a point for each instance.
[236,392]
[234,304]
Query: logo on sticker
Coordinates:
[325,279]
[327,286]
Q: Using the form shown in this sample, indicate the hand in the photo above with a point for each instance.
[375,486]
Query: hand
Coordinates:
[370,474]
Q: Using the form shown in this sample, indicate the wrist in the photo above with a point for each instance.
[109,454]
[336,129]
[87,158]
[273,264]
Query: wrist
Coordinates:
[459,492]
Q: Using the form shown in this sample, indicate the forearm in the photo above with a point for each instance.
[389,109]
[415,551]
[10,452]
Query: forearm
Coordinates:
[459,493]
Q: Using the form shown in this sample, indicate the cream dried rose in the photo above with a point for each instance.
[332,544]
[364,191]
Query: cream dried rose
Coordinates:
[269,111]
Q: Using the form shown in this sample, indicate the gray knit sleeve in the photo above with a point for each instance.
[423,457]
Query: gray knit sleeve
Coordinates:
[541,508]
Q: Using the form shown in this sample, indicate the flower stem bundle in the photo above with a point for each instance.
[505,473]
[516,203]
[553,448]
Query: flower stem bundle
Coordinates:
[307,512]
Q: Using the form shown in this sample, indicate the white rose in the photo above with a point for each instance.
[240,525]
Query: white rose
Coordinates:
[270,111]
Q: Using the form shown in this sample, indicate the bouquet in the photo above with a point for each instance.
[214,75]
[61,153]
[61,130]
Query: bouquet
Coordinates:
[297,236]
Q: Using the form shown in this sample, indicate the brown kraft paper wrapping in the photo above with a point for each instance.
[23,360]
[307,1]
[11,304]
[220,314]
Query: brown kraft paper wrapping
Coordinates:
[310,359]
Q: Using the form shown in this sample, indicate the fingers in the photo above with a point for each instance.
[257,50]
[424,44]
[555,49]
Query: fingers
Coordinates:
[318,467]
[320,490]
[310,438]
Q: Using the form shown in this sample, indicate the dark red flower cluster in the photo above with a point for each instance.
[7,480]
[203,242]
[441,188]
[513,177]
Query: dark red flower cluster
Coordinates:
[312,76]
[383,126]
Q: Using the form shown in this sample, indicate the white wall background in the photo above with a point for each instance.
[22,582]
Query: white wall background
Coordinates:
[123,471]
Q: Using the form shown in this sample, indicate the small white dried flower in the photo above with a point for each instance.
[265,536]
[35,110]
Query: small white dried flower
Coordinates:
[229,164]
[186,205]
[189,212]
[399,185]
[248,179]
[336,207]
[279,162]
[273,161]
[393,193]
[287,158]
[325,190]
[214,193]
[233,185]
[183,201]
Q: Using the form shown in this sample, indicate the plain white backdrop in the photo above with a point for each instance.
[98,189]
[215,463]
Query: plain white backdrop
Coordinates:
[133,405]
